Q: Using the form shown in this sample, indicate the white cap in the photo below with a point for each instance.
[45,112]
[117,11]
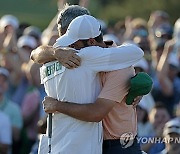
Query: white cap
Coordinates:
[80,28]
[172,126]
[27,41]
[9,20]
[142,64]
[4,72]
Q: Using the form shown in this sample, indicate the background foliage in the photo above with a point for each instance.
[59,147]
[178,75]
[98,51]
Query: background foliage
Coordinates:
[40,12]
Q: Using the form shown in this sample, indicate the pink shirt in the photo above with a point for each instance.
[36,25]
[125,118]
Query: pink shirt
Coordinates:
[30,106]
[122,118]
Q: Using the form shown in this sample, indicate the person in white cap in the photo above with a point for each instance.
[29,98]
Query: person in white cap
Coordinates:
[171,135]
[64,18]
[8,27]
[166,86]
[95,59]
[25,45]
[7,20]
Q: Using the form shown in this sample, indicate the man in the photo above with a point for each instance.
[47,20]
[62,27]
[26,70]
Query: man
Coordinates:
[171,135]
[8,107]
[96,117]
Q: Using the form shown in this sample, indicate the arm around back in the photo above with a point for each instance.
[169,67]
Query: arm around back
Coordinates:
[43,54]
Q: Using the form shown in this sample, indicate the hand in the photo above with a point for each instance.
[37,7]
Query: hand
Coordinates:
[68,58]
[136,101]
[49,104]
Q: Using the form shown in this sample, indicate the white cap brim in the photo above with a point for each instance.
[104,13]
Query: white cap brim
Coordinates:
[171,130]
[64,41]
[27,41]
[4,72]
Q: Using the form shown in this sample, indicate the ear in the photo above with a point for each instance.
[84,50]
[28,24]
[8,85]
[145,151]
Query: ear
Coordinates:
[91,42]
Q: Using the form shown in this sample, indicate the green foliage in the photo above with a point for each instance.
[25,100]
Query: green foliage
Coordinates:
[114,10]
[36,12]
[40,12]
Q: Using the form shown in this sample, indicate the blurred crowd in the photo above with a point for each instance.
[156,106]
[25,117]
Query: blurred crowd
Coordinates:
[21,114]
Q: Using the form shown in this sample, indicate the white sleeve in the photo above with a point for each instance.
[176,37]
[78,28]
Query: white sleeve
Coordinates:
[109,59]
[5,131]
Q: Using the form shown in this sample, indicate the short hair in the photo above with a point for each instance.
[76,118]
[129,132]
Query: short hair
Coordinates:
[69,13]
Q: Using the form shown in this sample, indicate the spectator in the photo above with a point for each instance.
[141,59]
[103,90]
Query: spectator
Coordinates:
[172,134]
[8,27]
[166,87]
[30,110]
[157,50]
[158,117]
[34,32]
[5,134]
[10,108]
[25,45]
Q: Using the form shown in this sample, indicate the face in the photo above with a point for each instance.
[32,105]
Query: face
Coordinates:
[91,42]
[8,29]
[159,117]
[173,144]
[3,84]
[77,45]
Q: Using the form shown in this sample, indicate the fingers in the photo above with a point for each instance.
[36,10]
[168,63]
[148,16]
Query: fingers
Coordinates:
[72,62]
[70,65]
[67,66]
[136,101]
[46,107]
[77,58]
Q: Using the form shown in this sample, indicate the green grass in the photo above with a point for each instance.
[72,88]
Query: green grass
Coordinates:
[35,12]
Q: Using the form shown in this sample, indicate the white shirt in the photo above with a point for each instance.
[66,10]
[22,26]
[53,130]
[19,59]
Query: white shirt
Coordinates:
[5,129]
[82,85]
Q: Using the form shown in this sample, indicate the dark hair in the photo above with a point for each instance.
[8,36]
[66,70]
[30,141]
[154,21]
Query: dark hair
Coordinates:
[69,13]
[99,38]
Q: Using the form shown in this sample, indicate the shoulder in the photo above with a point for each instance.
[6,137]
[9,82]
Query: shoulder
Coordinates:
[123,73]
[90,52]
[13,106]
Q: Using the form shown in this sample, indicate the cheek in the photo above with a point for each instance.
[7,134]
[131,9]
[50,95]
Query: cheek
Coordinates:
[3,87]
